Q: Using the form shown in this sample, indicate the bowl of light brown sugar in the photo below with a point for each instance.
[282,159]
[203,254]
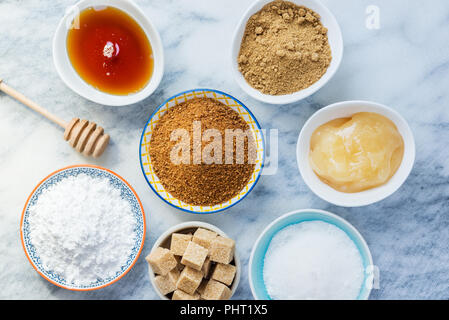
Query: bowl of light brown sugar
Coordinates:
[285,51]
[202,151]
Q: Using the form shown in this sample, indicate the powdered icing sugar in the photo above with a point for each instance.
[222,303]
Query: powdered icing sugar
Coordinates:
[313,260]
[82,229]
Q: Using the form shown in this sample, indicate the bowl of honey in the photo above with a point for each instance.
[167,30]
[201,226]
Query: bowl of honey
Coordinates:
[355,153]
[109,52]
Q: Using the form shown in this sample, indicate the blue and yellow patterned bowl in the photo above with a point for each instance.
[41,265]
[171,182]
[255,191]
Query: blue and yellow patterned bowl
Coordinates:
[145,159]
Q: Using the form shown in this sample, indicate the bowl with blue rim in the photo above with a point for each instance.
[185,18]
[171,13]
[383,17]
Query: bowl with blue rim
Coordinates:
[257,258]
[148,168]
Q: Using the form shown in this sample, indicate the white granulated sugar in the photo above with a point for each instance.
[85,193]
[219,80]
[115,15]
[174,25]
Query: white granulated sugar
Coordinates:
[313,260]
[82,229]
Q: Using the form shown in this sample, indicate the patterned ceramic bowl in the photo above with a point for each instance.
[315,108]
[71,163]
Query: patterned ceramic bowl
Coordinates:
[127,193]
[145,159]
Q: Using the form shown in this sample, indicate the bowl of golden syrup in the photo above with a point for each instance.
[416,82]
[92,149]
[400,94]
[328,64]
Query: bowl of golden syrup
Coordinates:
[108,52]
[355,153]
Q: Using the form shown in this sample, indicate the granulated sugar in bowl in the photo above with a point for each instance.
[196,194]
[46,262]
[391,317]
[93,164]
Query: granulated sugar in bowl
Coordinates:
[83,228]
[313,260]
[311,255]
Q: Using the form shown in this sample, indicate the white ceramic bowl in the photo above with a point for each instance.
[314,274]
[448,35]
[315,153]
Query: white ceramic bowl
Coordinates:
[262,244]
[165,238]
[335,41]
[76,83]
[342,110]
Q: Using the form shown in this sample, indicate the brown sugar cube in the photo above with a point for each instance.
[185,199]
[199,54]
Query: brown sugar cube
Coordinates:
[189,280]
[224,273]
[216,291]
[204,237]
[181,295]
[179,243]
[222,250]
[206,268]
[194,256]
[167,284]
[162,261]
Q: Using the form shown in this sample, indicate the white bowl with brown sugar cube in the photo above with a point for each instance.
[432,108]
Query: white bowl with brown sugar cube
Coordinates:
[194,261]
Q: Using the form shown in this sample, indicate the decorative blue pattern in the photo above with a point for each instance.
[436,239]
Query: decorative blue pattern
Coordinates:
[125,192]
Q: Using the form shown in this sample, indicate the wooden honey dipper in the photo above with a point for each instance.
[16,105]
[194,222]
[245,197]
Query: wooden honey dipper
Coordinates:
[84,136]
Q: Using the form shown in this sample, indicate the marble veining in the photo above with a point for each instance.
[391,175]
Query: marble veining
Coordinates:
[404,64]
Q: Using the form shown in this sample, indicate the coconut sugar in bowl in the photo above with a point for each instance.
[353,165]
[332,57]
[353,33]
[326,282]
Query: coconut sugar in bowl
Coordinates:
[275,43]
[186,159]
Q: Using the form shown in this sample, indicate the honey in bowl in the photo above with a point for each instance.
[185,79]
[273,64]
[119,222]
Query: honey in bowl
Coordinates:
[110,51]
[358,153]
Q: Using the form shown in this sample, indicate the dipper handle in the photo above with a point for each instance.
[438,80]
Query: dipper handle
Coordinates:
[84,136]
[31,104]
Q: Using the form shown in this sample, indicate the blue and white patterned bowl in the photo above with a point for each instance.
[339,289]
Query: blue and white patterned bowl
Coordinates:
[147,166]
[127,193]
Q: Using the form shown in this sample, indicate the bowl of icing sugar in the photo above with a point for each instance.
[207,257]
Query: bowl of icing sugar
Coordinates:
[83,228]
[311,255]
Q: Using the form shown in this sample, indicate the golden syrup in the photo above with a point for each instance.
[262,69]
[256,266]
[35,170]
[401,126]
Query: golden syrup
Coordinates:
[357,153]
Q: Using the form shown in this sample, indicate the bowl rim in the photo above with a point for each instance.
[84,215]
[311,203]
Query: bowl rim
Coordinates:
[382,192]
[193,211]
[351,228]
[102,97]
[26,205]
[194,224]
[299,95]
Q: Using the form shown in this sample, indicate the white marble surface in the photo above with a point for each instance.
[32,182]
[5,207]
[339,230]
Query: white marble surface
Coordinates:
[405,65]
